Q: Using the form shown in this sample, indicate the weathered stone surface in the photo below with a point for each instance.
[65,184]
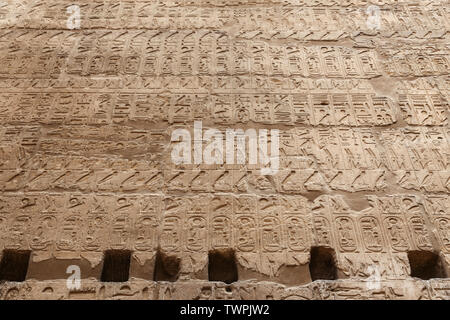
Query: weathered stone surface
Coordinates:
[359,208]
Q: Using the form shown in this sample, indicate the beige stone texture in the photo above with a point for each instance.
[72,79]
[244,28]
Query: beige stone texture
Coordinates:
[359,208]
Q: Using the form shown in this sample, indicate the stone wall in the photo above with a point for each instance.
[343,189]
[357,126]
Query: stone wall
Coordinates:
[359,208]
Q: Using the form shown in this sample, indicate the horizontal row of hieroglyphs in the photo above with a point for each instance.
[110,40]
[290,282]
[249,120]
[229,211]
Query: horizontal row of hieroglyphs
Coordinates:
[204,84]
[246,290]
[315,109]
[416,65]
[215,54]
[16,204]
[28,4]
[288,181]
[88,148]
[274,3]
[358,109]
[31,158]
[150,15]
[215,84]
[71,222]
[48,54]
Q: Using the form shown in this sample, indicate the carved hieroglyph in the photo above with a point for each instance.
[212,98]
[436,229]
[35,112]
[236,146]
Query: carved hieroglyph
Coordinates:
[86,116]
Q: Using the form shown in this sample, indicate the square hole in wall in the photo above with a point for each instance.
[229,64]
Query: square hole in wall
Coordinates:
[425,265]
[222,266]
[14,265]
[116,266]
[167,267]
[322,265]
